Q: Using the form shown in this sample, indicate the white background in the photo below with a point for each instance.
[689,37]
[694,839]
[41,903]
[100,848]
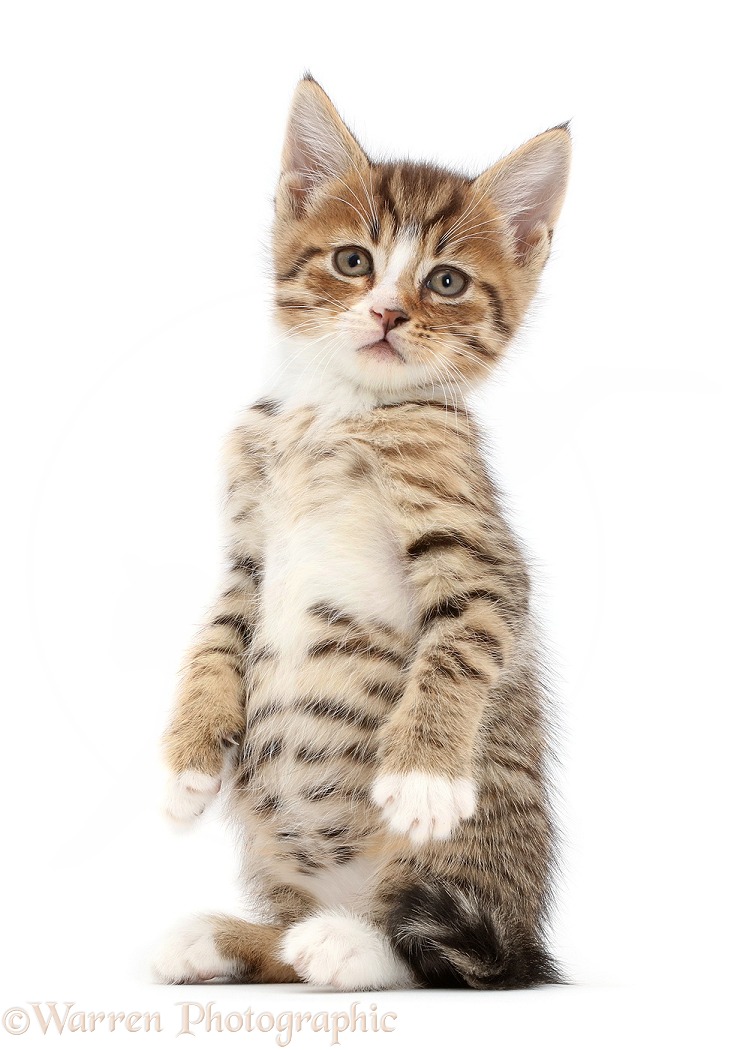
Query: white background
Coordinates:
[140,144]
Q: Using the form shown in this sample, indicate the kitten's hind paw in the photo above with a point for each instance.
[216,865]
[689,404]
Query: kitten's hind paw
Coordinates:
[188,955]
[344,952]
[188,794]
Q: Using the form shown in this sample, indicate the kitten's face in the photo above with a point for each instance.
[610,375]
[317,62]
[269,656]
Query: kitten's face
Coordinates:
[401,277]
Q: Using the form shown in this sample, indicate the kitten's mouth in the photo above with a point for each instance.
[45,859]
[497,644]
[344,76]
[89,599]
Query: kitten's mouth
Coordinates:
[382,350]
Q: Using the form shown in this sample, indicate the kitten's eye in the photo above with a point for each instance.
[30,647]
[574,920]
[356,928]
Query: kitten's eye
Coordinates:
[446,281]
[352,262]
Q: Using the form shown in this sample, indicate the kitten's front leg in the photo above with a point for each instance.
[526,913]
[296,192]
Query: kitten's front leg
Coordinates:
[426,785]
[201,741]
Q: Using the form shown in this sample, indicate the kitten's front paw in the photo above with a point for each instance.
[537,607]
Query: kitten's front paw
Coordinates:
[423,806]
[188,794]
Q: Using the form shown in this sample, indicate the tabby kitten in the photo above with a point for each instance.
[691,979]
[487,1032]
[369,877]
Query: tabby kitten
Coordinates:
[365,693]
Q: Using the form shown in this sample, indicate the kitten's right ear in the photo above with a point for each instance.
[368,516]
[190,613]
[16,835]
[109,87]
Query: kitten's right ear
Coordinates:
[318,147]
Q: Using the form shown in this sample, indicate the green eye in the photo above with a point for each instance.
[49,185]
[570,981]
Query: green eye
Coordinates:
[352,262]
[446,281]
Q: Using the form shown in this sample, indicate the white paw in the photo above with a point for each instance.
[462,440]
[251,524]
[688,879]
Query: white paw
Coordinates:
[188,955]
[422,806]
[343,951]
[188,794]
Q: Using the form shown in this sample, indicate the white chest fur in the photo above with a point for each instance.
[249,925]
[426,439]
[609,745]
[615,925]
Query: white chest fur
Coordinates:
[329,538]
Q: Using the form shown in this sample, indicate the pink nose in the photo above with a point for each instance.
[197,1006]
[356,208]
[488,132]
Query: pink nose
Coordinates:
[389,318]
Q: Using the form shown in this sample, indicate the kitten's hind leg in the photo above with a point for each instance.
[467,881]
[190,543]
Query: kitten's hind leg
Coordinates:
[208,947]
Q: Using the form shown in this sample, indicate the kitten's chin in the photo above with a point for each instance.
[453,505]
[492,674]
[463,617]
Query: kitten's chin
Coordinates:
[382,350]
[378,367]
[336,368]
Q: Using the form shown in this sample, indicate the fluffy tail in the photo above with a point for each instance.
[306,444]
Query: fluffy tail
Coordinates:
[449,938]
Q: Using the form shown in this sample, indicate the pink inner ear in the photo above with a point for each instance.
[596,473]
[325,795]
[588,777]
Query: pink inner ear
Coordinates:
[318,145]
[528,187]
[533,220]
[299,184]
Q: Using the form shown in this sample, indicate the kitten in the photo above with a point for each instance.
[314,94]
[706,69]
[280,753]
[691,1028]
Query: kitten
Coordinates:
[365,692]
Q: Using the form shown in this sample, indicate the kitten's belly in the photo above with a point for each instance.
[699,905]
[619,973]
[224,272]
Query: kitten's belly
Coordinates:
[333,634]
[342,555]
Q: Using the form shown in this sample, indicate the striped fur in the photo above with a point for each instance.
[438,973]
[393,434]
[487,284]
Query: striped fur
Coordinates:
[366,685]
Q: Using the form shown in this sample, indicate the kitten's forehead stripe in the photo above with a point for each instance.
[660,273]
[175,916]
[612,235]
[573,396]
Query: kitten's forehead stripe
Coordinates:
[389,207]
[408,194]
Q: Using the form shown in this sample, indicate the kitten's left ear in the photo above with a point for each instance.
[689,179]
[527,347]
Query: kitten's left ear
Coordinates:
[528,188]
[318,146]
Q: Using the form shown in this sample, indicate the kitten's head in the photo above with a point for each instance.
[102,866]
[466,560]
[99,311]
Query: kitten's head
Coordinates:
[399,276]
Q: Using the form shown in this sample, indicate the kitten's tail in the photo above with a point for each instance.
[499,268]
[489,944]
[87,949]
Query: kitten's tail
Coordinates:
[450,938]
